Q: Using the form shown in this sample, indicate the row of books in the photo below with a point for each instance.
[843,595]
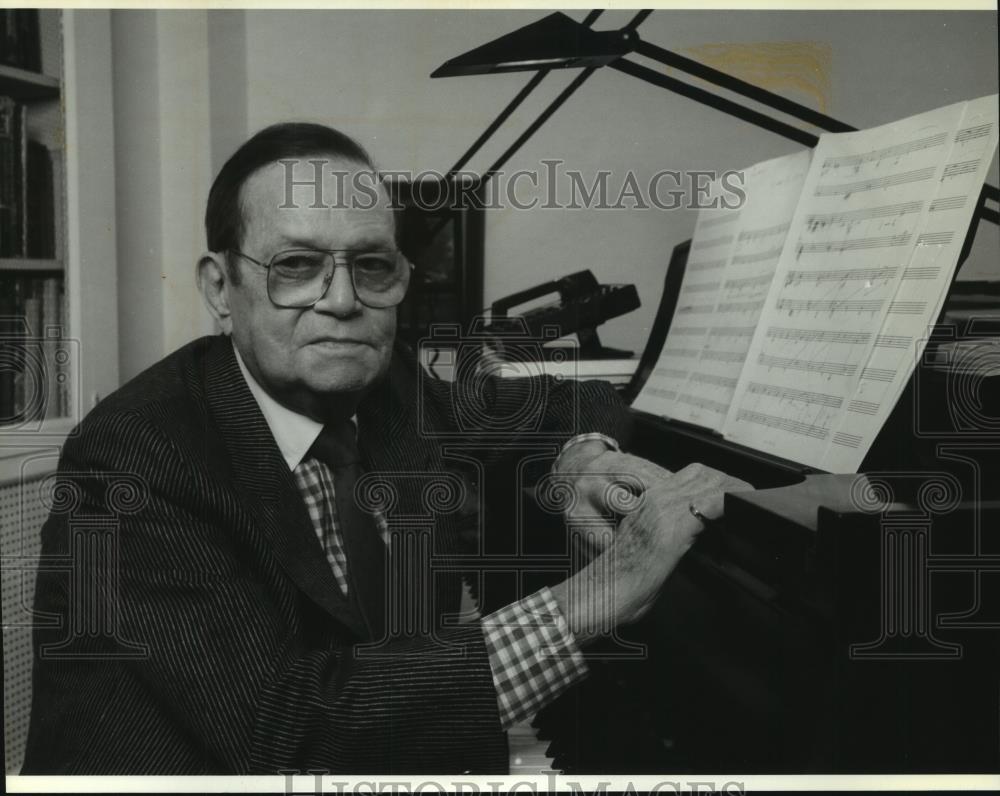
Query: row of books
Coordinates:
[27,199]
[35,356]
[20,42]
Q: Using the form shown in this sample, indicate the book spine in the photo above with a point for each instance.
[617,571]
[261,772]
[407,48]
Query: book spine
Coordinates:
[40,206]
[8,177]
[51,343]
[58,201]
[8,37]
[64,367]
[29,44]
[13,190]
[31,394]
[20,40]
[8,354]
[22,182]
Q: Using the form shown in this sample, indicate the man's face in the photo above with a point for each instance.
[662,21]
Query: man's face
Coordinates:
[319,359]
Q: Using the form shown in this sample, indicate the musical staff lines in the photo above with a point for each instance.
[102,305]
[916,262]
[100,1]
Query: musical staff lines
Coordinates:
[841,275]
[661,392]
[850,244]
[848,189]
[807,365]
[936,238]
[818,336]
[790,394]
[922,272]
[696,309]
[849,440]
[714,380]
[741,306]
[703,287]
[670,373]
[732,331]
[853,217]
[869,254]
[897,341]
[710,354]
[748,281]
[783,423]
[706,265]
[878,374]
[948,203]
[757,257]
[763,234]
[702,402]
[831,306]
[967,134]
[907,307]
[885,153]
[690,331]
[863,407]
[681,353]
[958,169]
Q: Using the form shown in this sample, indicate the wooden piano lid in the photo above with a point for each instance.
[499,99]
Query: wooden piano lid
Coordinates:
[798,504]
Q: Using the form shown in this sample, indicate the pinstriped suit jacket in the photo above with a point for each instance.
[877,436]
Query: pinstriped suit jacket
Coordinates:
[188,621]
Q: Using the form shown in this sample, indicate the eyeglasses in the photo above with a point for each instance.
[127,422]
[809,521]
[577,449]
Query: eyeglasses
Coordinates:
[299,278]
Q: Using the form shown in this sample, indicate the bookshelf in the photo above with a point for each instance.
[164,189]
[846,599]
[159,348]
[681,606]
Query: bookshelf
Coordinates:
[68,108]
[29,264]
[36,352]
[25,86]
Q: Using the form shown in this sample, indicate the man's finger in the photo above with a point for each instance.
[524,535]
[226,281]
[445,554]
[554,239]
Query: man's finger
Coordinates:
[710,504]
[649,473]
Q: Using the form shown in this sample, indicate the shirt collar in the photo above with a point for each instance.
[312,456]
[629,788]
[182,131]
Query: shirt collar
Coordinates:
[293,432]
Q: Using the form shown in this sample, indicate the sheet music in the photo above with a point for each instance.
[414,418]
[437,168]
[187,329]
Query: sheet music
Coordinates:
[869,257]
[710,247]
[729,271]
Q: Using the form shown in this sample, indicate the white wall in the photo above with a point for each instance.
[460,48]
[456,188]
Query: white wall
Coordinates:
[367,73]
[90,211]
[163,169]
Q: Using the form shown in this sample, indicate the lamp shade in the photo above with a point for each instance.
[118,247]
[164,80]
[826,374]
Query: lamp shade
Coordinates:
[554,42]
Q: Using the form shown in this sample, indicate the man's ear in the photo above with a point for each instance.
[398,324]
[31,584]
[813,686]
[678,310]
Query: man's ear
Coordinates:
[215,283]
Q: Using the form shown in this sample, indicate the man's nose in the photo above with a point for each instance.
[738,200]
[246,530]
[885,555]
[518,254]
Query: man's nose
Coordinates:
[340,298]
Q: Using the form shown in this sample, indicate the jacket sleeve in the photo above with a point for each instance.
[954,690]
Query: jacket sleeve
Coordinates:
[201,661]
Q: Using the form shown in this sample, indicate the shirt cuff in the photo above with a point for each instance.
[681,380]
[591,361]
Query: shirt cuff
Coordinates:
[592,436]
[533,655]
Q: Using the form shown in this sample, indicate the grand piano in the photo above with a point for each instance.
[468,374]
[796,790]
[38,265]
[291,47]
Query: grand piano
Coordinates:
[832,623]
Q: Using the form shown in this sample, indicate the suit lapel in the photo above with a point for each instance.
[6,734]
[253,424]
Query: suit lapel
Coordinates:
[389,435]
[268,488]
[394,443]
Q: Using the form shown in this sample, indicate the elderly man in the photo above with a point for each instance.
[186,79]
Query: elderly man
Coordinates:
[247,589]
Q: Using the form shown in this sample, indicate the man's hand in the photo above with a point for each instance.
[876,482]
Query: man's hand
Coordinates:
[620,585]
[605,485]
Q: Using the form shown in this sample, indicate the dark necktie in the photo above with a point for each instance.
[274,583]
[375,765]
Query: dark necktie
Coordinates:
[336,446]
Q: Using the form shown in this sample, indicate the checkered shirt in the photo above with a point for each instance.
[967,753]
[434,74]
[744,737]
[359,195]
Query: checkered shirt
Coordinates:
[532,652]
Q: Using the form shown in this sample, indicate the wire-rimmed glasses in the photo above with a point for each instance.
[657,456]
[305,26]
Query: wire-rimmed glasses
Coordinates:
[299,278]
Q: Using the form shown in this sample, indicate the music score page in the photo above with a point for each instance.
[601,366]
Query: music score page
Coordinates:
[871,251]
[803,313]
[727,278]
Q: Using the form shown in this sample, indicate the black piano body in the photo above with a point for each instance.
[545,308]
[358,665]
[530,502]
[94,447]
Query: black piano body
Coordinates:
[835,623]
